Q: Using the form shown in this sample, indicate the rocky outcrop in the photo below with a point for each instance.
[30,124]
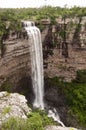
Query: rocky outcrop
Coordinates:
[13,105]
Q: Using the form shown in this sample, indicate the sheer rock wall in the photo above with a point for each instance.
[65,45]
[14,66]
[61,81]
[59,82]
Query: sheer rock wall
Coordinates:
[64,54]
[15,63]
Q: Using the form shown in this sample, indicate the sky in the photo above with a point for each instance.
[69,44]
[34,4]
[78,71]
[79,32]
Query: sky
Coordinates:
[40,3]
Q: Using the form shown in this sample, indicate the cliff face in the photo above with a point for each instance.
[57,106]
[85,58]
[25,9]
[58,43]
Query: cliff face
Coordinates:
[60,59]
[65,48]
[15,63]
[64,54]
[57,65]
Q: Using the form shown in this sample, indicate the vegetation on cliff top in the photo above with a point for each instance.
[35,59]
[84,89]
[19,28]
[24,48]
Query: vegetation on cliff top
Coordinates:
[10,19]
[14,16]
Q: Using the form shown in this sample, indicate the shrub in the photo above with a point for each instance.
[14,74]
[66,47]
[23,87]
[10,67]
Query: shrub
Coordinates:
[36,120]
[45,119]
[81,76]
[6,110]
[14,124]
[32,123]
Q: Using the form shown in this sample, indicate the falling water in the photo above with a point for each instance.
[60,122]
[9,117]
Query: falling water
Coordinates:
[36,63]
[54,114]
[37,68]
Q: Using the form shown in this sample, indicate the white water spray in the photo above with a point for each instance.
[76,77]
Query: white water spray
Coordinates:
[53,113]
[36,63]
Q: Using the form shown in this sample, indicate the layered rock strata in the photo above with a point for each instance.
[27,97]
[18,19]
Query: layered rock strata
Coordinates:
[15,63]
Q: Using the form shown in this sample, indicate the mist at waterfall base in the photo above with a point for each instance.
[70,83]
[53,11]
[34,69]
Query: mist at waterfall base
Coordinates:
[37,68]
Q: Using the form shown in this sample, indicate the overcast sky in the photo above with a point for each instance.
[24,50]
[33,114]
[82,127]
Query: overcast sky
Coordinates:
[39,3]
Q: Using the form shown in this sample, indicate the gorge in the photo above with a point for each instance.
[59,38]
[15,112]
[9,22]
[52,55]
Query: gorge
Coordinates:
[37,68]
[16,66]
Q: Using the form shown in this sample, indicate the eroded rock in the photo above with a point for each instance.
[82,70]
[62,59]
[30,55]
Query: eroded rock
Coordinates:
[13,105]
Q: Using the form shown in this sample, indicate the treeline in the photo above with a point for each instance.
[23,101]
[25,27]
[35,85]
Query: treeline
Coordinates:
[14,16]
[10,19]
[43,12]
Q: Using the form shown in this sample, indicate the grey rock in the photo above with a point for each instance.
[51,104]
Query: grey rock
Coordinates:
[13,105]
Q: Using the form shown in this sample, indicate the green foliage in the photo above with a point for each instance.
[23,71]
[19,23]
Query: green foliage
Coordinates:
[61,33]
[2,28]
[14,16]
[71,26]
[45,119]
[81,76]
[41,27]
[9,21]
[75,95]
[15,124]
[6,87]
[6,110]
[36,120]
[41,13]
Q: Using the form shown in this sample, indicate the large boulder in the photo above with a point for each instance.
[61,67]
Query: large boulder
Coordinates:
[13,105]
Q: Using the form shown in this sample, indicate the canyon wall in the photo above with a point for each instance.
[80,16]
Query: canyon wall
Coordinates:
[15,63]
[65,48]
[60,59]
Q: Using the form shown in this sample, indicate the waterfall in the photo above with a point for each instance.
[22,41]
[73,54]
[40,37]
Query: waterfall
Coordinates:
[54,114]
[36,63]
[37,68]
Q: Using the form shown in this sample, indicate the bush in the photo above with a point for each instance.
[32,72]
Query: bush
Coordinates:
[81,76]
[14,124]
[32,123]
[6,110]
[76,101]
[45,119]
[36,120]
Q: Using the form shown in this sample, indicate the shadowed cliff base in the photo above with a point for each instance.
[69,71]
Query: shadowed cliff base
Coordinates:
[68,99]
